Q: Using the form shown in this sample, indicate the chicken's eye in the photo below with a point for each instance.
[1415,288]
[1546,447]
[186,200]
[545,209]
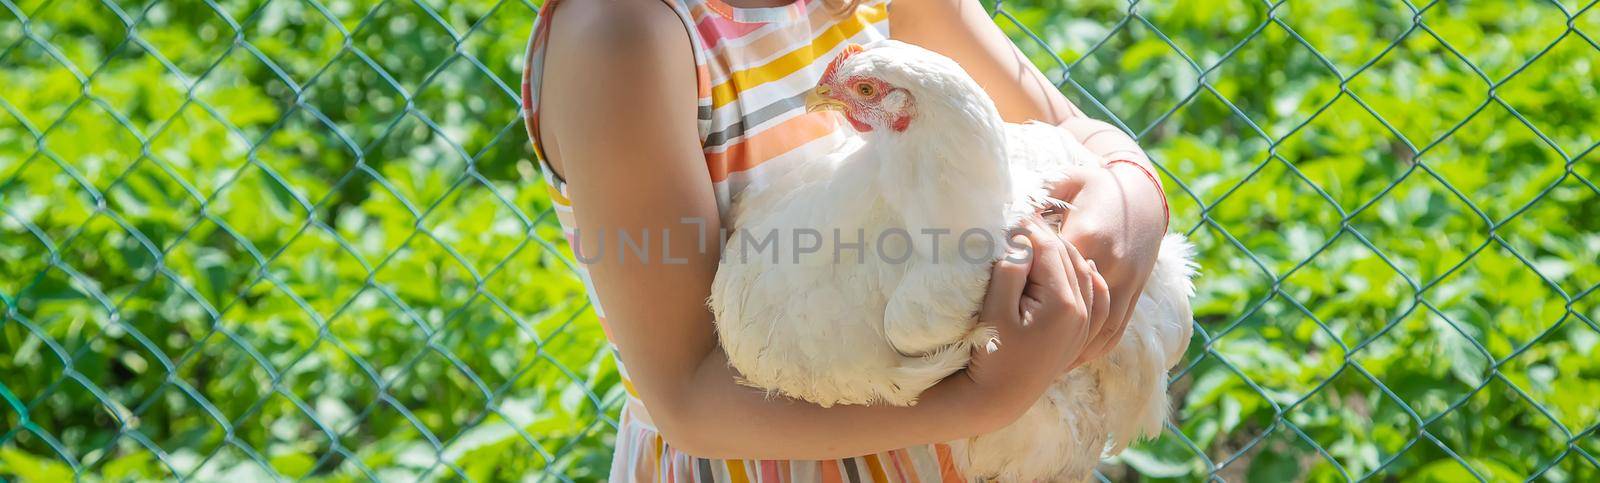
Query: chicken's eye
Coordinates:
[866,89]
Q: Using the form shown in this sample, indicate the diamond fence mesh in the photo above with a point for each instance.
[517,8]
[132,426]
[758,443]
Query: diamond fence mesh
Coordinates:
[285,239]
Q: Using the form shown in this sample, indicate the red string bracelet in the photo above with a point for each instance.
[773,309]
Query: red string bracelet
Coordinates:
[1166,214]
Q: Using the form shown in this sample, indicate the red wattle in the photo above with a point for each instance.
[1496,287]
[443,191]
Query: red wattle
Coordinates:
[860,126]
[900,123]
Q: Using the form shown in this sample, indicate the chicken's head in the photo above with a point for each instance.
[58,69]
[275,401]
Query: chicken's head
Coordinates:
[894,85]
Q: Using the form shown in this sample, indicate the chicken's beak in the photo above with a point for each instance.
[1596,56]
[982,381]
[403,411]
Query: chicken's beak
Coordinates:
[820,99]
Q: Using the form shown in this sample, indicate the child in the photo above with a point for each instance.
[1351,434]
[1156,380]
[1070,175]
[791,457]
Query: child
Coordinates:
[649,116]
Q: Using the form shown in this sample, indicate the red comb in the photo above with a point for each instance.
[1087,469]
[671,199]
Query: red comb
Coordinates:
[848,51]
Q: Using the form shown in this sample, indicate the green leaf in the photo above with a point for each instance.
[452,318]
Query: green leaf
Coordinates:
[29,468]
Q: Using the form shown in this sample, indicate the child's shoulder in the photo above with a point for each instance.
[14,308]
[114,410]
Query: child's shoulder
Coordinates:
[626,28]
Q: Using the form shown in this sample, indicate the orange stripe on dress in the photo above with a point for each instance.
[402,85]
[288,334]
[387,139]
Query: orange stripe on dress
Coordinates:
[947,465]
[702,75]
[904,466]
[753,151]
[830,471]
[769,472]
[721,9]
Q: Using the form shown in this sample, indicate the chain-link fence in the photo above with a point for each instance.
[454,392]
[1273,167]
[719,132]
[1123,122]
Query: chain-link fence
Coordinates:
[304,239]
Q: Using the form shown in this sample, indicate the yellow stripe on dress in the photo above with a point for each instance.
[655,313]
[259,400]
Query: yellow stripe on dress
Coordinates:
[796,59]
[875,466]
[556,196]
[736,473]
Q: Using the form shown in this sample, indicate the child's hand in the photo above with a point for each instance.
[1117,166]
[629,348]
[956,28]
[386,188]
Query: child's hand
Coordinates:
[1118,220]
[1046,304]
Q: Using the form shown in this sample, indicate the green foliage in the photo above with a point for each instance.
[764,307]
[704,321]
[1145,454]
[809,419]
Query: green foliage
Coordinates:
[1397,223]
[273,238]
[284,239]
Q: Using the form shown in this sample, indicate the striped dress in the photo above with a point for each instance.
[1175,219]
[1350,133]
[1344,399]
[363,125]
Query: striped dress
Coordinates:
[754,66]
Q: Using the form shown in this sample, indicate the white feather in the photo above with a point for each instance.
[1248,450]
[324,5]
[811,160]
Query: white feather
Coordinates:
[864,327]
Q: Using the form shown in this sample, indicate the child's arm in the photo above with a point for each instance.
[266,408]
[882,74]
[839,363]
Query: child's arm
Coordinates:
[1121,215]
[962,30]
[618,120]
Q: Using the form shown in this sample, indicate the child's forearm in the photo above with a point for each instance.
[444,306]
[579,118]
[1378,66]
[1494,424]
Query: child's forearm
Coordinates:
[713,416]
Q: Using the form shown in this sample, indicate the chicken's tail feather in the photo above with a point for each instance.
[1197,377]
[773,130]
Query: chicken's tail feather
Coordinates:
[1134,376]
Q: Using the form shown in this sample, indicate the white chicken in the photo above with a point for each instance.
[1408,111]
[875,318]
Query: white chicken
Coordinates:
[856,278]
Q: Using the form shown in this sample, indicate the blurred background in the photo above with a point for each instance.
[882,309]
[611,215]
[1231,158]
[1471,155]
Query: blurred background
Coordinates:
[284,239]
